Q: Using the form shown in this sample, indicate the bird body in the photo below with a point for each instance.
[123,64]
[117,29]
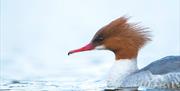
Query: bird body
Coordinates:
[163,73]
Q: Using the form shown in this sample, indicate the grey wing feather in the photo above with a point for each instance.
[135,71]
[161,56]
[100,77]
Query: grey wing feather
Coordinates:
[163,66]
[163,73]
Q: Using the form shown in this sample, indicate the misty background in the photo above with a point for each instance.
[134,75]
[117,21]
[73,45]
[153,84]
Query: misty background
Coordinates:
[36,36]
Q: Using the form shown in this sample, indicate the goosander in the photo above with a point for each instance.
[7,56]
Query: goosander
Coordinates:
[125,39]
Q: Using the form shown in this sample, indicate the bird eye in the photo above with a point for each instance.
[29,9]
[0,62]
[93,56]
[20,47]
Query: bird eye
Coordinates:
[99,39]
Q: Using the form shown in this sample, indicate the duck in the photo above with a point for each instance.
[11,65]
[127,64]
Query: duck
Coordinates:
[125,40]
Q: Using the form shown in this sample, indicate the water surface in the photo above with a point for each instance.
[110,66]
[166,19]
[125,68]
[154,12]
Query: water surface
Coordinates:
[98,85]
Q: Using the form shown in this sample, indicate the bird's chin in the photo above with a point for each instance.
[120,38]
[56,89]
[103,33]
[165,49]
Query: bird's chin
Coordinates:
[100,47]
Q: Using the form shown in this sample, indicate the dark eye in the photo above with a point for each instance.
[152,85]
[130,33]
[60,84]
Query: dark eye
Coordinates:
[99,38]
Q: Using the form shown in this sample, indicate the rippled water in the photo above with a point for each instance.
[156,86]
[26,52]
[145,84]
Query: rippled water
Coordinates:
[52,85]
[25,85]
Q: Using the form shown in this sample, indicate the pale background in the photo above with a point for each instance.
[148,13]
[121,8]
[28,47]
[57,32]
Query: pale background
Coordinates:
[37,34]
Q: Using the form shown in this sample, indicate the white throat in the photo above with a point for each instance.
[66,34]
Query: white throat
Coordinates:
[121,69]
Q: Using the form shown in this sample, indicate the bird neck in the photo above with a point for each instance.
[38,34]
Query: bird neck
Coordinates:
[126,54]
[121,69]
